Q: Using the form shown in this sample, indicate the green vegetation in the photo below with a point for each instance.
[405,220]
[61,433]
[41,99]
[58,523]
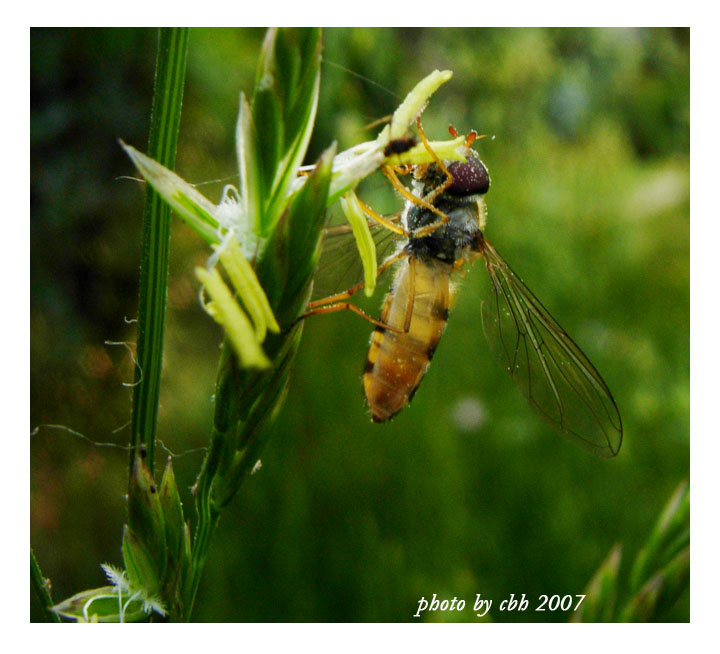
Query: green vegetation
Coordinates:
[347,520]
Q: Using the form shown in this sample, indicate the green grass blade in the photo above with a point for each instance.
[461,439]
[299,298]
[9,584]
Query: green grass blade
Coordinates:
[659,576]
[288,227]
[661,591]
[601,592]
[42,590]
[188,203]
[164,126]
[283,114]
[670,535]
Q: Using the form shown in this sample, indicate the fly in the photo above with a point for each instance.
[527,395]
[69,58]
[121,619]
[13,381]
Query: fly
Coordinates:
[442,229]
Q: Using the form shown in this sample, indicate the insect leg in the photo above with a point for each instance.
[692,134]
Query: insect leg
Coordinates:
[430,198]
[354,289]
[390,173]
[427,201]
[336,302]
[341,306]
[387,224]
[448,177]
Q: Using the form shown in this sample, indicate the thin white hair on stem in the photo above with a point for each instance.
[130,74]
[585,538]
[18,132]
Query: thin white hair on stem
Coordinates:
[81,436]
[121,427]
[115,446]
[173,455]
[216,181]
[127,345]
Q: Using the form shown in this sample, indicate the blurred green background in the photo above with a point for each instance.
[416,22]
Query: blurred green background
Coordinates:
[466,491]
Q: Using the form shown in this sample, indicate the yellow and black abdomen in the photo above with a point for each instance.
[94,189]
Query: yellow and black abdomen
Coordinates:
[397,362]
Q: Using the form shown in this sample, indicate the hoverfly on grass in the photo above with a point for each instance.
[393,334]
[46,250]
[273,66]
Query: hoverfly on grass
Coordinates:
[440,230]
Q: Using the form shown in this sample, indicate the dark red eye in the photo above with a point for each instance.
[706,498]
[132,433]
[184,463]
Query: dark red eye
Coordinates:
[469,177]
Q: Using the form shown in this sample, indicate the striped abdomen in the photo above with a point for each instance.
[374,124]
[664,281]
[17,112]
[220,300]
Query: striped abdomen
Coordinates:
[397,362]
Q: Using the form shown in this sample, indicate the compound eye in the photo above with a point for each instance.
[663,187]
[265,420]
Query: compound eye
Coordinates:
[469,177]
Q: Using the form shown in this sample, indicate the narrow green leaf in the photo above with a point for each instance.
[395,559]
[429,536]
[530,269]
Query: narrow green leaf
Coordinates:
[300,112]
[255,429]
[670,534]
[145,515]
[298,95]
[172,514]
[303,227]
[154,262]
[41,586]
[185,574]
[191,205]
[601,591]
[139,562]
[309,40]
[661,592]
[267,115]
[285,66]
[251,187]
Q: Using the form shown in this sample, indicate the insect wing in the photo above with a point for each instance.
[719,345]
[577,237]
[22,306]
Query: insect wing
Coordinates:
[340,265]
[551,371]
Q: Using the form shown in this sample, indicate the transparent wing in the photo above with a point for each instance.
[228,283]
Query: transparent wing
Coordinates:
[552,372]
[340,266]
